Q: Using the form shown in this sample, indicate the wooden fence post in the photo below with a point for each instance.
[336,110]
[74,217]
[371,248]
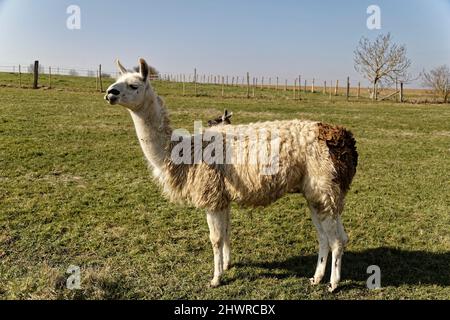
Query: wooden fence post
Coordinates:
[337,88]
[348,88]
[262,83]
[312,86]
[100,77]
[324,87]
[195,81]
[305,86]
[401,91]
[36,74]
[50,77]
[248,85]
[295,86]
[20,77]
[277,84]
[223,84]
[359,89]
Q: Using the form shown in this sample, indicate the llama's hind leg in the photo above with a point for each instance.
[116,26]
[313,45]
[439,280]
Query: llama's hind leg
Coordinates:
[324,248]
[226,252]
[217,230]
[337,240]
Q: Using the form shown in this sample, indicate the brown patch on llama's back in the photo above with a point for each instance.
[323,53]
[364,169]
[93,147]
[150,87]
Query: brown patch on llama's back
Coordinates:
[342,148]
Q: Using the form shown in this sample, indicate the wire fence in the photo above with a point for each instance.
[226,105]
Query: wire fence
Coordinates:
[198,84]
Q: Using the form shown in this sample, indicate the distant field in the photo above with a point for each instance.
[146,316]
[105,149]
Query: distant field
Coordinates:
[75,190]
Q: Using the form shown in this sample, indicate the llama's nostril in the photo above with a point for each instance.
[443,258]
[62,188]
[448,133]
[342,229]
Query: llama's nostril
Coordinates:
[114,92]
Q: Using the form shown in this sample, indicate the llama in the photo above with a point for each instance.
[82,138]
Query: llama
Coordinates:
[315,159]
[223,119]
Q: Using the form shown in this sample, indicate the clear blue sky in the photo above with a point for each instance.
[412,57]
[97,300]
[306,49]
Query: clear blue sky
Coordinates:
[285,38]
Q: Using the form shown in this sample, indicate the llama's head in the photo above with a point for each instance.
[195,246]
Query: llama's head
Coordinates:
[130,88]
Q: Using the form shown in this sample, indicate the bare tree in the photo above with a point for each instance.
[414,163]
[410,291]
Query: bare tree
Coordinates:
[381,61]
[438,79]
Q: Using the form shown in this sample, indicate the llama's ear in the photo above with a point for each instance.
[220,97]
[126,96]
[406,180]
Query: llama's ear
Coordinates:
[121,67]
[143,69]
[225,115]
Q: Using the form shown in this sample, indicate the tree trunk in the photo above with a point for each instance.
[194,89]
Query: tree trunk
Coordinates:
[375,91]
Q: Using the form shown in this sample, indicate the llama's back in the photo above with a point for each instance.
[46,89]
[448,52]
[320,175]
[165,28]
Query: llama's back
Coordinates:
[310,153]
[312,158]
[268,159]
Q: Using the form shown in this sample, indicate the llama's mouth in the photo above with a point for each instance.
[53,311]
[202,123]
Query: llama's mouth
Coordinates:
[112,99]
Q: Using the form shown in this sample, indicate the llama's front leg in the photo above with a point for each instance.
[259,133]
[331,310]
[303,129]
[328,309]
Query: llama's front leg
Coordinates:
[226,252]
[324,249]
[217,236]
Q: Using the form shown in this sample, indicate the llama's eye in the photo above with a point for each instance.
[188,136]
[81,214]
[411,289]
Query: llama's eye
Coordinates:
[133,87]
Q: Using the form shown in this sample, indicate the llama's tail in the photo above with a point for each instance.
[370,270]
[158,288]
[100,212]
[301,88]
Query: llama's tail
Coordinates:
[342,148]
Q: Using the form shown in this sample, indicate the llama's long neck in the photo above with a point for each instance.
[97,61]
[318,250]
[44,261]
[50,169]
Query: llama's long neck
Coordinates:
[153,130]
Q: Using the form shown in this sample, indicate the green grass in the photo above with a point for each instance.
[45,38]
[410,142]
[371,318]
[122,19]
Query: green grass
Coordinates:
[75,189]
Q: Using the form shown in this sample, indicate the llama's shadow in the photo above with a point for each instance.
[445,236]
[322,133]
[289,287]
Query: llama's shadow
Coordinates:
[397,266]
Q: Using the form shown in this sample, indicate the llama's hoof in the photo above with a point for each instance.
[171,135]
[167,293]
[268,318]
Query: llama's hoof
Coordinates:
[314,281]
[332,287]
[214,283]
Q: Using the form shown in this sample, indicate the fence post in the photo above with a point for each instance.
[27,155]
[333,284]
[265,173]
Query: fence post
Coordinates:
[401,91]
[262,83]
[312,86]
[348,88]
[295,86]
[324,87]
[277,84]
[195,81]
[223,84]
[248,85]
[337,88]
[359,89]
[36,74]
[49,77]
[305,86]
[20,77]
[100,77]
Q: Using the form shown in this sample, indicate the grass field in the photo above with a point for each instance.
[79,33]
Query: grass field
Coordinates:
[75,190]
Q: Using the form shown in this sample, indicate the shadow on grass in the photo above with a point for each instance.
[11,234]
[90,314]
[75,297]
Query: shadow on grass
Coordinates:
[397,266]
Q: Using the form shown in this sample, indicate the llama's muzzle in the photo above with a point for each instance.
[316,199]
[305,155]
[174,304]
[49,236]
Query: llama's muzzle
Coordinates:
[112,99]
